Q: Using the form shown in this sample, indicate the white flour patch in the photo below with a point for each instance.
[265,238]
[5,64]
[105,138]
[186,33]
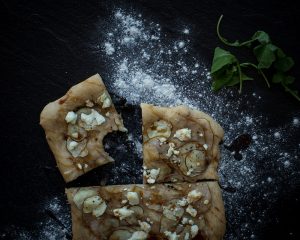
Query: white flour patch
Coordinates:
[150,67]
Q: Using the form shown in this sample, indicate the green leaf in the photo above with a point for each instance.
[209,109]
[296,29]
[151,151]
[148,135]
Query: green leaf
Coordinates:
[221,78]
[262,37]
[265,55]
[284,64]
[278,77]
[221,59]
[236,79]
[288,80]
[280,53]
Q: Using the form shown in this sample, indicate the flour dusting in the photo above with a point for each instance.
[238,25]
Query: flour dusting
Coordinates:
[150,67]
[146,65]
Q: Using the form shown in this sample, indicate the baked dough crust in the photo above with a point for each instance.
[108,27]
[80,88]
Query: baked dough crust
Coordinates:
[53,121]
[210,218]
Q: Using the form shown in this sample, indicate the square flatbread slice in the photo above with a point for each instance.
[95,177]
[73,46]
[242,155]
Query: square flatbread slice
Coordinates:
[76,124]
[179,144]
[179,211]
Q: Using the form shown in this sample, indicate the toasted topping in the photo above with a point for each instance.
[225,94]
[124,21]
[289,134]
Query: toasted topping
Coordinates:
[184,221]
[133,198]
[94,205]
[138,235]
[192,211]
[83,194]
[171,236]
[159,128]
[145,226]
[172,150]
[191,222]
[89,103]
[79,165]
[76,133]
[194,230]
[105,100]
[92,120]
[187,236]
[206,202]
[119,123]
[194,196]
[183,134]
[99,210]
[151,175]
[122,212]
[72,145]
[71,117]
[77,149]
[173,212]
[91,203]
[182,202]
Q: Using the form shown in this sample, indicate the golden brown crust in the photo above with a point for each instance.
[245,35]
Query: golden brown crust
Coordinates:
[52,119]
[210,218]
[206,134]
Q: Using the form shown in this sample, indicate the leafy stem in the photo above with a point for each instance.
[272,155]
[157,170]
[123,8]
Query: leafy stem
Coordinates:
[226,71]
[225,41]
[240,76]
[292,92]
[259,70]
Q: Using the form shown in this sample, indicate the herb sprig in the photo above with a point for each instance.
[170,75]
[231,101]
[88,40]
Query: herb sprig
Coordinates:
[227,71]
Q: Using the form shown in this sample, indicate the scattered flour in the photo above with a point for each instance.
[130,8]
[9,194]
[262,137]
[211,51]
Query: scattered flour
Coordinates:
[166,71]
[147,66]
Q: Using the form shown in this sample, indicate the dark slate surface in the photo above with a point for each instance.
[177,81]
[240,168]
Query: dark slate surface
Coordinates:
[46,47]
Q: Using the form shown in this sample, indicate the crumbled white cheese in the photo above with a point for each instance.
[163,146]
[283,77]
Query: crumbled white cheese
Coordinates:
[93,119]
[123,212]
[71,117]
[124,201]
[138,235]
[194,196]
[171,236]
[192,211]
[75,135]
[151,175]
[184,220]
[206,202]
[173,213]
[194,230]
[191,222]
[201,135]
[133,198]
[187,236]
[182,202]
[105,100]
[72,145]
[89,103]
[145,226]
[190,171]
[183,134]
[205,146]
[79,166]
[172,150]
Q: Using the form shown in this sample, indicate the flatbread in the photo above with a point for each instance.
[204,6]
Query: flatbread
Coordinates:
[179,144]
[163,211]
[76,124]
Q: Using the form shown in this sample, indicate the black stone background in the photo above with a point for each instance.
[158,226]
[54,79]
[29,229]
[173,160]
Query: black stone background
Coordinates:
[46,47]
